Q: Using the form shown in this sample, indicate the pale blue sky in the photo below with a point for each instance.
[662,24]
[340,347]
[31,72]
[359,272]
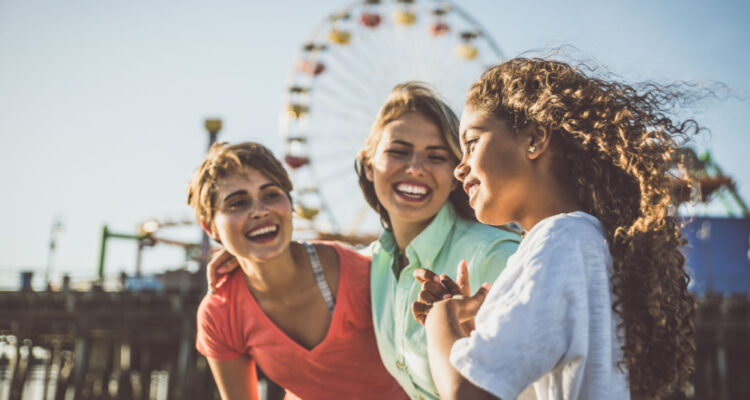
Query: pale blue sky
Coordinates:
[102,102]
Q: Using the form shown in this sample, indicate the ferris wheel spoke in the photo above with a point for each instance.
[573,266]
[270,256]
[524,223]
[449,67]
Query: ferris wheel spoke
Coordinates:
[338,85]
[344,96]
[344,76]
[330,110]
[375,46]
[346,62]
[365,52]
[338,136]
[336,173]
[333,156]
[353,109]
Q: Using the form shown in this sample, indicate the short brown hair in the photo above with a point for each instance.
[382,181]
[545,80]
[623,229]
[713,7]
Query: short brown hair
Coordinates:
[404,98]
[223,160]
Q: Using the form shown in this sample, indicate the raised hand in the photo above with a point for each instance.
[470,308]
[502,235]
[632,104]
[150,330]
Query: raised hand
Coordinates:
[221,264]
[436,288]
[432,288]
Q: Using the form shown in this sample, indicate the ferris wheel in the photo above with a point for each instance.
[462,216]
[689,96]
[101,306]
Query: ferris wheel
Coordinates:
[342,77]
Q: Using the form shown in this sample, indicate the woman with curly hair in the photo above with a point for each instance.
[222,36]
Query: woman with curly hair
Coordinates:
[594,304]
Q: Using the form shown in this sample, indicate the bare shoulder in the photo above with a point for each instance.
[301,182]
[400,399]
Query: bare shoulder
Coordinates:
[328,254]
[329,260]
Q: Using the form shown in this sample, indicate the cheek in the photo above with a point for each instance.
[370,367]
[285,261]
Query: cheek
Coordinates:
[446,178]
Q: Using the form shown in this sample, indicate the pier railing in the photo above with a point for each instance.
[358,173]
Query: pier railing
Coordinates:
[140,345]
[103,345]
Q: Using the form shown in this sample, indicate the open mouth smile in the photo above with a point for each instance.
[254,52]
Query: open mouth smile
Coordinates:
[471,188]
[263,233]
[412,191]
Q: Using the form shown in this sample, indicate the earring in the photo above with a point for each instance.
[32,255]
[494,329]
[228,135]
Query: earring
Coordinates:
[532,149]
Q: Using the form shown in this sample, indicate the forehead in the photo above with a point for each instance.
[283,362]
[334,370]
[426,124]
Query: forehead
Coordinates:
[472,114]
[472,117]
[248,179]
[413,128]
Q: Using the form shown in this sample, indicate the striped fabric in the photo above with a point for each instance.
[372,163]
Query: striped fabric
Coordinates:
[320,279]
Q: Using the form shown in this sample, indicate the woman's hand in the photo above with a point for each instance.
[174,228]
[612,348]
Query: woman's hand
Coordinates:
[221,264]
[445,323]
[436,288]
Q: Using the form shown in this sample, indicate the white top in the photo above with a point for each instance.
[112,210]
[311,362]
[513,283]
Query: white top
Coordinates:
[548,319]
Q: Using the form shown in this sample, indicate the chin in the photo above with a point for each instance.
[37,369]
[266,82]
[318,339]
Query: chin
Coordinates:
[486,216]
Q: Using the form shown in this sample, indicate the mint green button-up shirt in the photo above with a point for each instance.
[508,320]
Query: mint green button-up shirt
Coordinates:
[440,247]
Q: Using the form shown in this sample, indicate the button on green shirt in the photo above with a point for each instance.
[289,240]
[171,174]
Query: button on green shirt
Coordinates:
[440,247]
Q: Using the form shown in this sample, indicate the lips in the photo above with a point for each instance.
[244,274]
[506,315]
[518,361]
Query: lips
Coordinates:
[412,191]
[471,188]
[263,233]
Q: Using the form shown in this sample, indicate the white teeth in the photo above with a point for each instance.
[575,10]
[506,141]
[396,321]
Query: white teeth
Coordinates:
[411,189]
[264,230]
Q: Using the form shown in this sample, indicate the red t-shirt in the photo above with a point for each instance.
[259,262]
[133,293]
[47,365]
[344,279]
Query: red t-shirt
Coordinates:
[345,365]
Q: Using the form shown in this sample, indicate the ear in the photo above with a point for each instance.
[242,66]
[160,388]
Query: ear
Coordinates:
[538,140]
[368,170]
[208,230]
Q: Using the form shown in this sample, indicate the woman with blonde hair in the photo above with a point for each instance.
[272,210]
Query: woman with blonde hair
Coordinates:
[406,174]
[595,302]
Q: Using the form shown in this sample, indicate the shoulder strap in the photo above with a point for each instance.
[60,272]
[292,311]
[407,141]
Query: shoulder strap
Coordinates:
[320,278]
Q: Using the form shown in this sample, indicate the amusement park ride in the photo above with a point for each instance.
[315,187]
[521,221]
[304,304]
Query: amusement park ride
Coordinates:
[342,75]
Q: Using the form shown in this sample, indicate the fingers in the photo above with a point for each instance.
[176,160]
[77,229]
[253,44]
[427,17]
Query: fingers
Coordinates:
[462,278]
[420,310]
[221,263]
[449,285]
[432,292]
[425,275]
[474,302]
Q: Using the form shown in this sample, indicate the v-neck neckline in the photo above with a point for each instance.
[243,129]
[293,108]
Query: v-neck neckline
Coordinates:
[343,272]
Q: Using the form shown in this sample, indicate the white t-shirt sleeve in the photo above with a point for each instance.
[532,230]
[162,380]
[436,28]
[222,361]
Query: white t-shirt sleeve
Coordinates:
[534,319]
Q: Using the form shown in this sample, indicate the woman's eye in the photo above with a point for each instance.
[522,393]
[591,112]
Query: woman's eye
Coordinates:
[397,152]
[272,196]
[238,204]
[438,158]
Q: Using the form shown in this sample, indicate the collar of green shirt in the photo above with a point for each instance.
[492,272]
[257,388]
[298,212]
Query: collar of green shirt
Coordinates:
[426,246]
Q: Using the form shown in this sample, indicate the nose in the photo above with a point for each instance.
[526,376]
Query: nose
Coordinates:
[461,170]
[258,210]
[416,165]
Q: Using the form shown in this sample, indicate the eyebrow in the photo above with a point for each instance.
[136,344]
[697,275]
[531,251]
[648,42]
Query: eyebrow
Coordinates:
[435,147]
[244,192]
[236,193]
[462,135]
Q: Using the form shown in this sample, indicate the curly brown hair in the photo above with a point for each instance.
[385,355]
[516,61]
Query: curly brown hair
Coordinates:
[620,144]
[408,97]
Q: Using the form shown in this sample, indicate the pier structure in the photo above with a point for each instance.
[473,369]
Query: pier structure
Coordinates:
[104,345]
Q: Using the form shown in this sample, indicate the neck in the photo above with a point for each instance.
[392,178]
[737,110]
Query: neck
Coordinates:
[264,276]
[405,232]
[552,198]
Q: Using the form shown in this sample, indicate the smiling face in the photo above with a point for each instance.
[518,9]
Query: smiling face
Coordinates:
[253,218]
[495,169]
[411,170]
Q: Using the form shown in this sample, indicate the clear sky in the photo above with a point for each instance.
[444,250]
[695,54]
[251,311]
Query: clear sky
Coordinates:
[102,102]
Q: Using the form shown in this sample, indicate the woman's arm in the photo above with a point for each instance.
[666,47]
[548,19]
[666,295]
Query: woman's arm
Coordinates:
[236,379]
[443,326]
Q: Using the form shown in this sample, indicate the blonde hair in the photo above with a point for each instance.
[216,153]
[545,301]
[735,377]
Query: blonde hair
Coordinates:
[223,160]
[405,98]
